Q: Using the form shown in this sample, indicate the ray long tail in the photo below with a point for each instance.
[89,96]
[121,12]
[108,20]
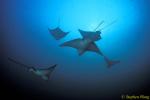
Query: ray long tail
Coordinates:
[17,62]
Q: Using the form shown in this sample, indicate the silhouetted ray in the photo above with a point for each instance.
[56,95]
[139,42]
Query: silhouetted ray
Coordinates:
[57,33]
[92,35]
[87,43]
[43,73]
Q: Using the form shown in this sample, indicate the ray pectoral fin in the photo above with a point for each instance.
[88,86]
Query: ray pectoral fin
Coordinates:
[83,33]
[81,51]
[52,32]
[93,47]
[47,72]
[76,43]
[53,67]
[46,77]
[80,30]
[65,44]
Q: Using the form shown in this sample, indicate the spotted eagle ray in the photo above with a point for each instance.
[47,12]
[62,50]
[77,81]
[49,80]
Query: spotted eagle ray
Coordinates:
[44,73]
[57,33]
[87,43]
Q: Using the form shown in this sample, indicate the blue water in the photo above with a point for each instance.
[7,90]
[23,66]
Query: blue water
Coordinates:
[27,39]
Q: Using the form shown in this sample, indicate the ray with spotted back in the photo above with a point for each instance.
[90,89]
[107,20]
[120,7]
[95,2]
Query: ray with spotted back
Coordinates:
[44,73]
[57,33]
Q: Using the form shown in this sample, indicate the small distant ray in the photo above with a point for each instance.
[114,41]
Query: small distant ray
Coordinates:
[57,33]
[43,73]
